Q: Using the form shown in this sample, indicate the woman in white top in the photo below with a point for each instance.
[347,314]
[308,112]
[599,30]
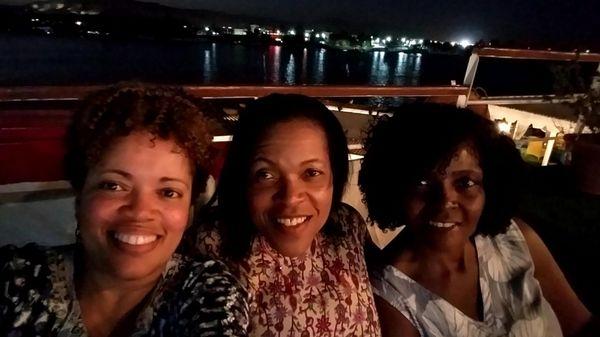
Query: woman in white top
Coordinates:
[462,266]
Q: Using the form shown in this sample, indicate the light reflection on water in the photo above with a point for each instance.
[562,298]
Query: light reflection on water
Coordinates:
[280,65]
[274,57]
[70,61]
[290,73]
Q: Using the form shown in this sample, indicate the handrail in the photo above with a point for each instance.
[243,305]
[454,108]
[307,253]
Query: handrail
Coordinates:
[526,54]
[531,54]
[74,93]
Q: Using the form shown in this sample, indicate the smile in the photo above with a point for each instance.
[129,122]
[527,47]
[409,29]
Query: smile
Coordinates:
[442,224]
[292,222]
[135,239]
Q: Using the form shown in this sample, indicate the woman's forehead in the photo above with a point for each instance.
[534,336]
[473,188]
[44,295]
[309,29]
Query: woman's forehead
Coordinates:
[464,157]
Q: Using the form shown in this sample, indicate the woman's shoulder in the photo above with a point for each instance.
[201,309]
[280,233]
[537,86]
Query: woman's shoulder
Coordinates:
[350,224]
[201,272]
[12,256]
[28,278]
[30,258]
[203,237]
[205,296]
[513,236]
[349,218]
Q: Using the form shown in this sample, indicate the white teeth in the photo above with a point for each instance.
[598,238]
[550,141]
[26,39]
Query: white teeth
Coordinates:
[291,222]
[136,240]
[442,224]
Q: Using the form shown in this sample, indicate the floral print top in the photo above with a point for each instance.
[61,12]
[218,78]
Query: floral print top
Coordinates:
[193,298]
[323,293]
[513,304]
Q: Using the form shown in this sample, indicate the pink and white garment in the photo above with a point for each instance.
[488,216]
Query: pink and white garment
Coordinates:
[323,293]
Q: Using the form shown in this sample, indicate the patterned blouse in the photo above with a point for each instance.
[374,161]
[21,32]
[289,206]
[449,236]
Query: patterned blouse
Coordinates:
[323,293]
[513,304]
[193,298]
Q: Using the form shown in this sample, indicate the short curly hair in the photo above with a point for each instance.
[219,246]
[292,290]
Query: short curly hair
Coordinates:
[402,149]
[164,112]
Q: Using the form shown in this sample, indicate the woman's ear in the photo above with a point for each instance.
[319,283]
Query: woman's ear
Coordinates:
[77,204]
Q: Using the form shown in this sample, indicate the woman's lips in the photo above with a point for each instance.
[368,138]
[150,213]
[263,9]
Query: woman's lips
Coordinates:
[292,221]
[135,239]
[440,224]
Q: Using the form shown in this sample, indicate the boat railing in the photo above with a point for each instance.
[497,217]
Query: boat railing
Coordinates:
[35,117]
[523,54]
[33,120]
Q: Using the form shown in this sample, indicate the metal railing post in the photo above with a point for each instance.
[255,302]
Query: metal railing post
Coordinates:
[469,77]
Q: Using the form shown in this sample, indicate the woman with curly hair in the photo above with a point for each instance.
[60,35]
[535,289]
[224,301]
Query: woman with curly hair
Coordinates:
[282,227]
[136,157]
[462,266]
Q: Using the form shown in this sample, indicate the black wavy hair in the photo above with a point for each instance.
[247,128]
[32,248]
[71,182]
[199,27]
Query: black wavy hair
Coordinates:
[402,149]
[255,121]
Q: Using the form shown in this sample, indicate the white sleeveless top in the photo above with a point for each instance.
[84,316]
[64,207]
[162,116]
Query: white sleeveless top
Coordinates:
[513,304]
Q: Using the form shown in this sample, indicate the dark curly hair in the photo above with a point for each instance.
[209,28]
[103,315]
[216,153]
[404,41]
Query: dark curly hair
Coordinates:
[255,121]
[117,111]
[402,149]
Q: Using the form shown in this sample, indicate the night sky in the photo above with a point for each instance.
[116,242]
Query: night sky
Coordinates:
[554,22]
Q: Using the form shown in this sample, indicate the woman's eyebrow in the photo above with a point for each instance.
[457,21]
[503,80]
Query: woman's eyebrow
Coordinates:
[263,159]
[313,160]
[125,174]
[475,171]
[171,179]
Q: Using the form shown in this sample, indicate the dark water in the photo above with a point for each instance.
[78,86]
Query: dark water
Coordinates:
[72,61]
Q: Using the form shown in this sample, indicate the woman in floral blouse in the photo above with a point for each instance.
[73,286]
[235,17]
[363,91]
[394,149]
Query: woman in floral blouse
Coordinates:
[136,158]
[282,227]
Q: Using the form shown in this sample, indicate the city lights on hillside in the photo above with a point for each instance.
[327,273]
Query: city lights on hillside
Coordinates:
[465,43]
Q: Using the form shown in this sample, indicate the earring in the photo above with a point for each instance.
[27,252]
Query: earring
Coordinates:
[77,234]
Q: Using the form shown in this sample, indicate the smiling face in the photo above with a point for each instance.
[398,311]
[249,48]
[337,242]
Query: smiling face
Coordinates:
[291,185]
[450,200]
[134,207]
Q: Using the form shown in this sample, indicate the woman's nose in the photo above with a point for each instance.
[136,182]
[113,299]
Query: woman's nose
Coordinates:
[443,197]
[291,191]
[140,205]
[449,197]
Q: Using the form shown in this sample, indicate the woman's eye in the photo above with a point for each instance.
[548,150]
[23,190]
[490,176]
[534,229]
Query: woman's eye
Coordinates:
[110,186]
[263,175]
[313,172]
[423,183]
[170,193]
[467,182]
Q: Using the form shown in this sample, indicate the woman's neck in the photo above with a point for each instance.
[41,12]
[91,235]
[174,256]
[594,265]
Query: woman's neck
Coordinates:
[110,306]
[448,254]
